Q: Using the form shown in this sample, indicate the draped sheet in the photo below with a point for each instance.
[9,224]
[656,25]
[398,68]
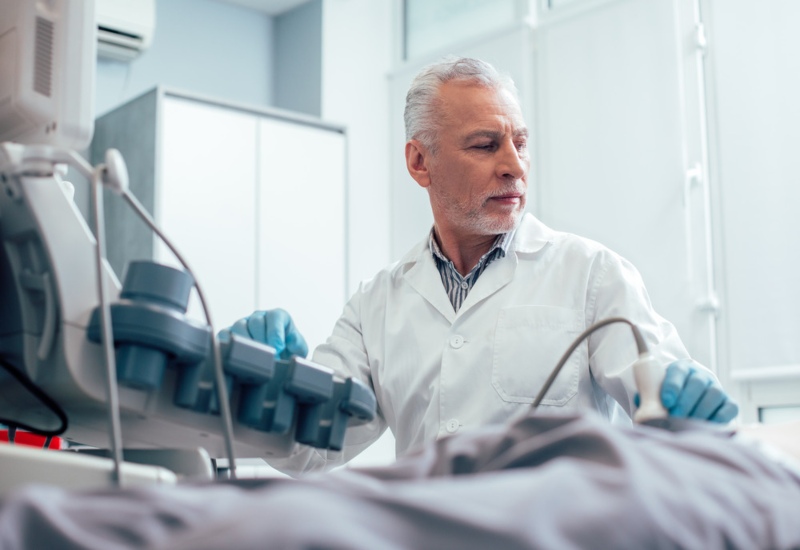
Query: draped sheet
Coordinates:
[539,482]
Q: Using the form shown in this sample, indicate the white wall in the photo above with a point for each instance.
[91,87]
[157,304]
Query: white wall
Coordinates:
[754,81]
[202,46]
[298,59]
[356,56]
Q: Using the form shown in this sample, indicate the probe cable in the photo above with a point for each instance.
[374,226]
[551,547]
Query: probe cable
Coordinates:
[640,345]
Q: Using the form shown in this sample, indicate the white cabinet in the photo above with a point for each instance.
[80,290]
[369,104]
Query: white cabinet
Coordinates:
[205,200]
[301,227]
[253,199]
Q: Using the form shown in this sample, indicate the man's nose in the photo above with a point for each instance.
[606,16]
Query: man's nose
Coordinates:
[513,163]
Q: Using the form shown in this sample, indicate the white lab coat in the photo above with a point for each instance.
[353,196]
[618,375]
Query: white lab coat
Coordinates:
[436,372]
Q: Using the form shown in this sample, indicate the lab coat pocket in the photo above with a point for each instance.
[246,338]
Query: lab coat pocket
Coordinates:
[528,342]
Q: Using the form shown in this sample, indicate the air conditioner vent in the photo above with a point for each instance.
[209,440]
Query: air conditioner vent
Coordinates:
[124,28]
[43,58]
[104,29]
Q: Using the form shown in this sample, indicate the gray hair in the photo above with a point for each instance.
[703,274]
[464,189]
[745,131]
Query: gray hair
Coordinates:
[422,99]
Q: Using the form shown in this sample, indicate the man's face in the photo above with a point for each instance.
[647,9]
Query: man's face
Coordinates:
[478,177]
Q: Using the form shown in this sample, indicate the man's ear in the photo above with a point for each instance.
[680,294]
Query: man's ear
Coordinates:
[417,157]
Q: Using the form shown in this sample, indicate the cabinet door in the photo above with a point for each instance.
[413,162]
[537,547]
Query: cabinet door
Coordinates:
[616,143]
[205,201]
[301,225]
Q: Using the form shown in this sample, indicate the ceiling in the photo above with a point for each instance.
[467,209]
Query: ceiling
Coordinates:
[270,7]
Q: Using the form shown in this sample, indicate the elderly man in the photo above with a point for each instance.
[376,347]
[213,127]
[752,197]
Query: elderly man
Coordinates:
[466,327]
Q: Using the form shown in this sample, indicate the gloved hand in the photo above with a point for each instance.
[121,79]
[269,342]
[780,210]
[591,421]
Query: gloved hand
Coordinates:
[275,328]
[692,392]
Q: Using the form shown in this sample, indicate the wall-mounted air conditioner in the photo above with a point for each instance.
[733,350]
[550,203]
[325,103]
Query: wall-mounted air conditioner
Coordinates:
[124,27]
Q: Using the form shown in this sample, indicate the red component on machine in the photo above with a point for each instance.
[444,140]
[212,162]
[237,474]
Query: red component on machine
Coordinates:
[33,440]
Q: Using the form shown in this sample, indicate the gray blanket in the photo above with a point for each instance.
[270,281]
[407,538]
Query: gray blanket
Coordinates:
[540,482]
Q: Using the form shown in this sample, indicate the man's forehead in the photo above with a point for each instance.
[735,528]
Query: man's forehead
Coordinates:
[470,103]
[495,125]
[466,91]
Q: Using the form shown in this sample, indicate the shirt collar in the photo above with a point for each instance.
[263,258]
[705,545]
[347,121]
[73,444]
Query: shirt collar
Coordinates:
[502,242]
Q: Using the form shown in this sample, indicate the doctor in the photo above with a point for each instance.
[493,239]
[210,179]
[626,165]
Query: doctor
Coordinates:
[467,326]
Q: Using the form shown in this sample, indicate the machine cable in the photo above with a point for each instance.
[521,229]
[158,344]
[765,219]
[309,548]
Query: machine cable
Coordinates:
[106,327]
[114,175]
[42,396]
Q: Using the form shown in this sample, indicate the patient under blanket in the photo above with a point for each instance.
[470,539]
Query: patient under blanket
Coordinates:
[539,482]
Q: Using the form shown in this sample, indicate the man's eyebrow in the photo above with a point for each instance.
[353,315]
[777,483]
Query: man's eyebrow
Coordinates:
[493,134]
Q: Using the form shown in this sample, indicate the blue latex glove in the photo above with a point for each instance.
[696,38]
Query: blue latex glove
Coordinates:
[275,328]
[689,391]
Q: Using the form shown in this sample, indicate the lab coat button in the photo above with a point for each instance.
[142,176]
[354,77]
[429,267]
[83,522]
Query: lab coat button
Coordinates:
[457,341]
[452,425]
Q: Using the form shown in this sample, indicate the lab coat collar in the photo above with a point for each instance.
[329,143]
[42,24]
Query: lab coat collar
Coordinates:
[424,278]
[531,236]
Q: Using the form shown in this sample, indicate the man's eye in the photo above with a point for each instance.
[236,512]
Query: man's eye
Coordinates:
[485,146]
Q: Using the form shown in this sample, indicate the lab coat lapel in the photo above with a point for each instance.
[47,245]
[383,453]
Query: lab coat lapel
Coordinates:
[425,279]
[531,237]
[497,275]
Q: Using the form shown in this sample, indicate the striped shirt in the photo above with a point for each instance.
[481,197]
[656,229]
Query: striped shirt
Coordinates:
[456,286]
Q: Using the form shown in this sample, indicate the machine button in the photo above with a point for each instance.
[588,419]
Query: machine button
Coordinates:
[457,341]
[452,425]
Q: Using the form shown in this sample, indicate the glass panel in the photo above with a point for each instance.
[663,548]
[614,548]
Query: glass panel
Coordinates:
[776,415]
[433,25]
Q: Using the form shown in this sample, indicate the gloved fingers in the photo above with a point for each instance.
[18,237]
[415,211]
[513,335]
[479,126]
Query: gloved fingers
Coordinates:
[275,328]
[240,327]
[637,400]
[726,412]
[690,395]
[256,326]
[224,335]
[281,328]
[674,380]
[711,400]
[295,343]
[275,321]
[253,327]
